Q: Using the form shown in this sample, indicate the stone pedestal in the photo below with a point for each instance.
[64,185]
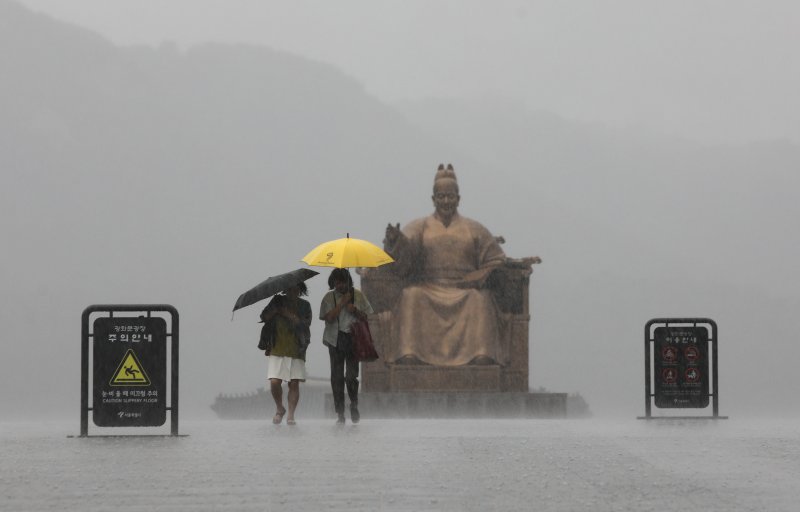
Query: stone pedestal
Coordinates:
[490,378]
[405,377]
[416,404]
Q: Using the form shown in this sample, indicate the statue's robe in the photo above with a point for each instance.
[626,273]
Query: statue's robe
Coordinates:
[435,320]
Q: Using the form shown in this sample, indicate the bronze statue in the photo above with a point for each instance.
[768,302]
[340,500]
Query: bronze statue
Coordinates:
[446,316]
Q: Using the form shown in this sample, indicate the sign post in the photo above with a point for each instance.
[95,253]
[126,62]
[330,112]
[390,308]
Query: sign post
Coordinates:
[129,367]
[682,366]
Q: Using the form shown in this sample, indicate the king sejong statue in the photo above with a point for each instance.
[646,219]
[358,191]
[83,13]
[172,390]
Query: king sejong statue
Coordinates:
[445,316]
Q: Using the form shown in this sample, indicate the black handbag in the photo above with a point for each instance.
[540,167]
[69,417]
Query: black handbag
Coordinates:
[266,338]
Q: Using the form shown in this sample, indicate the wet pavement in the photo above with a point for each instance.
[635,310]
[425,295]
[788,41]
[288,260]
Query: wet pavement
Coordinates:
[437,465]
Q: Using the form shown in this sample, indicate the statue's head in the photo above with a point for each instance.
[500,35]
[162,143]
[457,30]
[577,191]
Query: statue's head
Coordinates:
[445,191]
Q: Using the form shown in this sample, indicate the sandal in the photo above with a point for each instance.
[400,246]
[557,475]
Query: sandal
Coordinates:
[276,420]
[291,423]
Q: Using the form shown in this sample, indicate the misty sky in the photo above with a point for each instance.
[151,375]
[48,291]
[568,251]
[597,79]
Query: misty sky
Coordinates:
[574,130]
[718,71]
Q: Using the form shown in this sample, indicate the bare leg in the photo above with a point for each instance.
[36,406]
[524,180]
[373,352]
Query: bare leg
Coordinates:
[277,395]
[293,396]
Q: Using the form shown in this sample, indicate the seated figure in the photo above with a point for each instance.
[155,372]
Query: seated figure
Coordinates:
[445,315]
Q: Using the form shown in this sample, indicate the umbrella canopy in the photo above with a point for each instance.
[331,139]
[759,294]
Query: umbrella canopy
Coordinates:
[347,253]
[273,285]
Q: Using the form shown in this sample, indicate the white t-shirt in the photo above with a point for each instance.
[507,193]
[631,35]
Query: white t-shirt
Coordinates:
[346,318]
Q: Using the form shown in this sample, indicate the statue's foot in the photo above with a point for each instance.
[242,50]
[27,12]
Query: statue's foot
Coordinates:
[409,360]
[482,360]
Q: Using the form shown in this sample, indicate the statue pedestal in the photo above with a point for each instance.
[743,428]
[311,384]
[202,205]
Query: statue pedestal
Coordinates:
[470,404]
[406,377]
[436,378]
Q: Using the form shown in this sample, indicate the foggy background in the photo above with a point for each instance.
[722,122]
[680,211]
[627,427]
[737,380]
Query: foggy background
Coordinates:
[180,152]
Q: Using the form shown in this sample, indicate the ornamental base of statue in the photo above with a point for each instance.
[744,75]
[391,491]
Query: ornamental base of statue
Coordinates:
[450,404]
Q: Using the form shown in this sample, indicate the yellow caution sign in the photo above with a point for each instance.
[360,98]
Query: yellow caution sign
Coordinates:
[130,372]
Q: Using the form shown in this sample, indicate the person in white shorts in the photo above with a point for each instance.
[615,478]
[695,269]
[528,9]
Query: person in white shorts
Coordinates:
[286,334]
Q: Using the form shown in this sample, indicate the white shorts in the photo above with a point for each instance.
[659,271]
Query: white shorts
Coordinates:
[286,368]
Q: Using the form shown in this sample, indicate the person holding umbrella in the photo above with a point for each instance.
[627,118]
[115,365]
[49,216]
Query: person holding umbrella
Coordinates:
[340,307]
[285,337]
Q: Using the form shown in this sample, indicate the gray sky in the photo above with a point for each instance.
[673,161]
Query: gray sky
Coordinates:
[719,70]
[632,222]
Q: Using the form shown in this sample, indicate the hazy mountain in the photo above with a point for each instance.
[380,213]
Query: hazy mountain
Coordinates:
[144,175]
[153,175]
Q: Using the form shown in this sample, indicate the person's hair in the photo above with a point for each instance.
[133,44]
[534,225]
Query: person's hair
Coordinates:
[339,274]
[301,286]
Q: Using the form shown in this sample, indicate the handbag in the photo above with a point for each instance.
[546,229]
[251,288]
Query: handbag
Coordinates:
[363,346]
[266,339]
[303,334]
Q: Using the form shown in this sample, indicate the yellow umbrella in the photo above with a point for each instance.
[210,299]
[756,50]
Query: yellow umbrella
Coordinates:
[347,253]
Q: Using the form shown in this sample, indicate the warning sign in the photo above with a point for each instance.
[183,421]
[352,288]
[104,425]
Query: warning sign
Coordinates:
[130,372]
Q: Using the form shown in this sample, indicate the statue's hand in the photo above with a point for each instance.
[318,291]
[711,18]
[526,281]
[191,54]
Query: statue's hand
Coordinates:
[475,279]
[392,234]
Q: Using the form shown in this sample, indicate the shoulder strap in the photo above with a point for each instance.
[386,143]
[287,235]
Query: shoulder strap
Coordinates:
[333,294]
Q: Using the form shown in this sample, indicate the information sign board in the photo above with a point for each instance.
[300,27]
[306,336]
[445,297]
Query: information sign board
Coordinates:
[680,367]
[130,371]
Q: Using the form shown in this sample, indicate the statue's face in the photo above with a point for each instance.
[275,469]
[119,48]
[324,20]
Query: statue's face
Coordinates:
[445,197]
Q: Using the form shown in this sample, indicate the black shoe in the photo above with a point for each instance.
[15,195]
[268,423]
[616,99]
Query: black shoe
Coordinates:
[340,419]
[355,416]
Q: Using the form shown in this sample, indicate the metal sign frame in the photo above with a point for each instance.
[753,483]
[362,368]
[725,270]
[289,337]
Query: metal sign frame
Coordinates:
[649,363]
[171,334]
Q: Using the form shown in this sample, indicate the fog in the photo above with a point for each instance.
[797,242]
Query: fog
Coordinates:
[181,152]
[714,70]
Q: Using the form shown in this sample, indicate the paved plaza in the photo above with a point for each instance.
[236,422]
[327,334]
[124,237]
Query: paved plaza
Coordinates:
[437,465]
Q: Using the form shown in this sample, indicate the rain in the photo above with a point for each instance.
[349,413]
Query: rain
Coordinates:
[181,152]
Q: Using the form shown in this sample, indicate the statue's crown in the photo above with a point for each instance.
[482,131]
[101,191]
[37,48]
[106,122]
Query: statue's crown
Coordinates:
[445,172]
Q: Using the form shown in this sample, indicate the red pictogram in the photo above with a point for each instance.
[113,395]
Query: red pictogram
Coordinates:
[692,375]
[692,353]
[669,375]
[669,354]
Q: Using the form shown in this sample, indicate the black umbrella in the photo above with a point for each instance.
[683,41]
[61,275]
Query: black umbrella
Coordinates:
[273,285]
